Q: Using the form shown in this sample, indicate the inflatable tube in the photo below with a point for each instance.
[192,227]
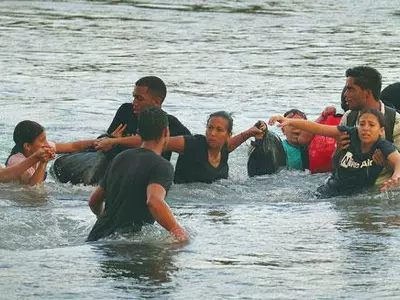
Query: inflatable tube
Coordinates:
[81,167]
[266,155]
[321,148]
[86,167]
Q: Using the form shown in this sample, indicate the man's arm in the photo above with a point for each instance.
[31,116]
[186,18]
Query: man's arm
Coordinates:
[106,144]
[319,129]
[161,212]
[96,202]
[343,140]
[74,146]
[306,137]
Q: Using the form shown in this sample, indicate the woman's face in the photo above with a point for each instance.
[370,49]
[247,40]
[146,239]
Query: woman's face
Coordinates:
[38,142]
[217,132]
[369,129]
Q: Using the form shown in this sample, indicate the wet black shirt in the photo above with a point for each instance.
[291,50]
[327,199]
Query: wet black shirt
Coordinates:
[193,164]
[125,183]
[126,116]
[356,169]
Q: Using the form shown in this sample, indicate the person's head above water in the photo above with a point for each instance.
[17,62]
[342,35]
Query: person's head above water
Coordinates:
[371,125]
[343,102]
[292,134]
[153,124]
[28,137]
[219,129]
[390,95]
[149,91]
[363,87]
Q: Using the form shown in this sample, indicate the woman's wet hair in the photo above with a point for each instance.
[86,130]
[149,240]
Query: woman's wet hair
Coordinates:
[25,132]
[375,112]
[152,122]
[225,115]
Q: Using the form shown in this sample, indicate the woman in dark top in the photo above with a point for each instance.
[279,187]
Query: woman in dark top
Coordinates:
[356,168]
[204,158]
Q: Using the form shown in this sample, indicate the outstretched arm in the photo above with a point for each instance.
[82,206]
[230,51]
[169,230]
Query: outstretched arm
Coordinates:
[306,137]
[74,146]
[106,144]
[394,160]
[176,144]
[161,212]
[240,138]
[315,128]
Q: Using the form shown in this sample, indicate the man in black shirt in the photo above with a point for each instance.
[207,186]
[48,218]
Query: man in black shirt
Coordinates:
[149,91]
[132,192]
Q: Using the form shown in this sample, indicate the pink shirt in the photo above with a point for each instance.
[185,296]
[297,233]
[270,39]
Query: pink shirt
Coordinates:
[17,158]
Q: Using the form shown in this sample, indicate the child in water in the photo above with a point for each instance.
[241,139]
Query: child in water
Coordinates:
[29,137]
[356,169]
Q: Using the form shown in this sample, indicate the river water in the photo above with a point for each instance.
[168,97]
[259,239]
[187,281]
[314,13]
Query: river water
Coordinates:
[71,64]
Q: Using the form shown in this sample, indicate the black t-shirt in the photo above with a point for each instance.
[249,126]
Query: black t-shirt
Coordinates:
[357,170]
[125,183]
[126,116]
[193,164]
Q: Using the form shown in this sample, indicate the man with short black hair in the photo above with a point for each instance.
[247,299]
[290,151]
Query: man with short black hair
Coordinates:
[149,91]
[132,192]
[363,88]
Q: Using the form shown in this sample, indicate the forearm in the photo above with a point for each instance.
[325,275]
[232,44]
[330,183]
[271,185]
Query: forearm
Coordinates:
[394,161]
[238,139]
[133,141]
[38,176]
[74,146]
[161,212]
[315,128]
[14,172]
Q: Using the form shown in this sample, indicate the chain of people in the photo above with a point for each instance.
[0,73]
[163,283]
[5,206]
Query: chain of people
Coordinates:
[130,163]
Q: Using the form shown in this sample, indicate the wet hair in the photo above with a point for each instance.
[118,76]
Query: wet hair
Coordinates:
[155,85]
[390,95]
[224,115]
[343,102]
[375,112]
[294,112]
[25,132]
[366,78]
[152,122]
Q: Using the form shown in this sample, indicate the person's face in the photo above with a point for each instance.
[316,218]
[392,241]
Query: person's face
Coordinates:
[38,142]
[292,134]
[142,99]
[356,97]
[369,129]
[217,132]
